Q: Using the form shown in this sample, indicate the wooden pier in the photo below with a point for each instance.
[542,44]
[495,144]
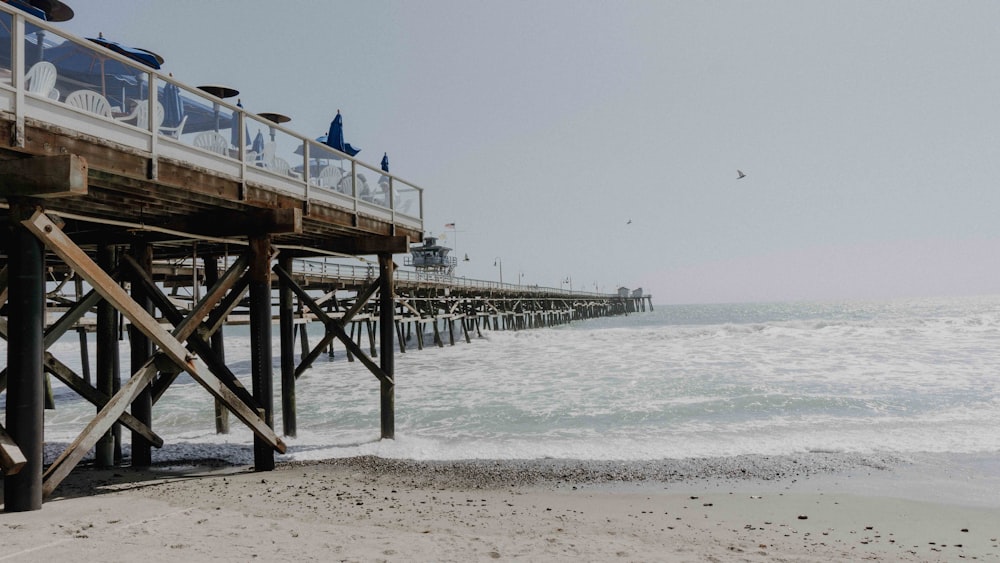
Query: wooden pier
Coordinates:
[103,222]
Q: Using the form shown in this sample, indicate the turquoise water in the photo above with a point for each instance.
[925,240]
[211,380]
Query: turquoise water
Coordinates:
[683,381]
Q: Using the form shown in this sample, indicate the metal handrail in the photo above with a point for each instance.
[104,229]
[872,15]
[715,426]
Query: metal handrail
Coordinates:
[339,271]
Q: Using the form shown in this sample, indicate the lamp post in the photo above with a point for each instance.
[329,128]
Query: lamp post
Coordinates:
[498,262]
[569,280]
[520,278]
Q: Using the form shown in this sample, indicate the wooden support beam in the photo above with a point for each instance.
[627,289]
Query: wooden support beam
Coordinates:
[253,221]
[375,245]
[44,176]
[169,344]
[11,458]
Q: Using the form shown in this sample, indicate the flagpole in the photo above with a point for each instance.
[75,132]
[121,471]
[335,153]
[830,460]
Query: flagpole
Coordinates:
[455,234]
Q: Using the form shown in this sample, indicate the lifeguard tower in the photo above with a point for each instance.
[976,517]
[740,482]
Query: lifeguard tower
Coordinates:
[431,258]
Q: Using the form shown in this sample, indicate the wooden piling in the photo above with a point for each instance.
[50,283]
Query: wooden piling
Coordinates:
[287,344]
[23,490]
[107,352]
[141,349]
[218,343]
[260,344]
[386,309]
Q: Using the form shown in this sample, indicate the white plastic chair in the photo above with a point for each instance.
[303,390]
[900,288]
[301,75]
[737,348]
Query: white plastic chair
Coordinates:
[141,114]
[174,132]
[91,101]
[212,141]
[330,176]
[40,78]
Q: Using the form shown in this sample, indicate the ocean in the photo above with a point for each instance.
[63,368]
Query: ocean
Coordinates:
[684,381]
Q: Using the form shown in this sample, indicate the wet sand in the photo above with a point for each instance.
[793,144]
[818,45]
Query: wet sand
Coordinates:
[753,508]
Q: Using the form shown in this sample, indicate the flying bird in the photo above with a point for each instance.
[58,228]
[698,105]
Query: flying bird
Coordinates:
[740,175]
[629,222]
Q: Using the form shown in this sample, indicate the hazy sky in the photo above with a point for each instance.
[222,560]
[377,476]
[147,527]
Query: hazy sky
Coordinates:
[868,130]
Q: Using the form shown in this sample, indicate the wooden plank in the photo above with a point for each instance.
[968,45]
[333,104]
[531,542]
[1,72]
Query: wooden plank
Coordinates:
[44,176]
[11,457]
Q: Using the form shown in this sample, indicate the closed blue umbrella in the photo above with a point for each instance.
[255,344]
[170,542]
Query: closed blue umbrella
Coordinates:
[258,143]
[382,180]
[173,106]
[335,138]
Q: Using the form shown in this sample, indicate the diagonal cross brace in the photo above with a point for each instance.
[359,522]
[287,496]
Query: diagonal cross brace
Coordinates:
[171,348]
[87,391]
[334,327]
[195,341]
[215,321]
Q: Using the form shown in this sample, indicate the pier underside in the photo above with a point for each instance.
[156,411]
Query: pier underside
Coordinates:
[98,239]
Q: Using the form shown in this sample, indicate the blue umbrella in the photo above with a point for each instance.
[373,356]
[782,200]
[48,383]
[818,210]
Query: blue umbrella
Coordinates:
[335,138]
[173,106]
[27,7]
[258,143]
[143,56]
[383,179]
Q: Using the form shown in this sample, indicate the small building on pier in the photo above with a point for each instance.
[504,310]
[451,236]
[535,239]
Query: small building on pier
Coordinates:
[431,257]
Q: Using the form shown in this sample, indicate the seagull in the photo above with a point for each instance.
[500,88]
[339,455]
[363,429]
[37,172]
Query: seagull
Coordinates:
[629,222]
[740,175]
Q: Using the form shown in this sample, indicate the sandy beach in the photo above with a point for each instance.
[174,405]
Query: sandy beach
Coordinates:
[818,508]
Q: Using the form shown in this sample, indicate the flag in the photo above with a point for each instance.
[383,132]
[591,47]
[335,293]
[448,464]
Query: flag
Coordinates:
[449,225]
